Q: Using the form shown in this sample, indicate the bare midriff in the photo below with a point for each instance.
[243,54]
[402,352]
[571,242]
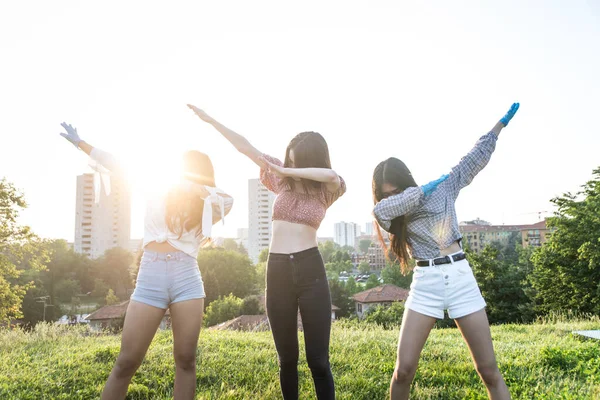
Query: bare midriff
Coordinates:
[289,237]
[453,248]
[163,247]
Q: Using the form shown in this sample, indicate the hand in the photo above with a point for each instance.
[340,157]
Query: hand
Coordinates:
[275,169]
[430,187]
[200,113]
[511,113]
[71,134]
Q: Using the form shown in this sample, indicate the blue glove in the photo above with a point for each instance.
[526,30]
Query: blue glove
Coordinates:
[71,134]
[511,113]
[430,187]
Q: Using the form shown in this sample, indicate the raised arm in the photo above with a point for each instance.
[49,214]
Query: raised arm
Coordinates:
[329,177]
[238,141]
[471,164]
[397,205]
[107,160]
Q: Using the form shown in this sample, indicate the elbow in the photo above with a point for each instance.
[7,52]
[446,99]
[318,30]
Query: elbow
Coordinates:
[332,177]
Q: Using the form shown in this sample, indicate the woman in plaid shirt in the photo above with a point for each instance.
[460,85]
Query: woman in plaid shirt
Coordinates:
[422,224]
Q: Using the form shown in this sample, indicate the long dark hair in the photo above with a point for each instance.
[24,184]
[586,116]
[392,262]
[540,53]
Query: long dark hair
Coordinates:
[183,209]
[310,151]
[393,172]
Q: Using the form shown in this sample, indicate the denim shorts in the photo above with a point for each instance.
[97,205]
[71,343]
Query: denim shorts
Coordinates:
[167,278]
[442,287]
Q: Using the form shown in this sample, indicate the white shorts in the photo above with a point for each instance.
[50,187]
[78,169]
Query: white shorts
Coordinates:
[442,287]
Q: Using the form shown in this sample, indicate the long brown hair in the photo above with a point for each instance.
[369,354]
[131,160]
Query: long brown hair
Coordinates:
[183,209]
[310,151]
[394,172]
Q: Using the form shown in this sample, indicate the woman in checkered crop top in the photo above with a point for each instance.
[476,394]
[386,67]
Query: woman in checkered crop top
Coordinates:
[421,222]
[305,187]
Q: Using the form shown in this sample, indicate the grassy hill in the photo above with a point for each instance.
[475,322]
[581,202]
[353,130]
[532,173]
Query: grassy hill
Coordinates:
[540,361]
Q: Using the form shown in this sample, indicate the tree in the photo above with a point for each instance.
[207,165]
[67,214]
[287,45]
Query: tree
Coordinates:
[231,244]
[229,271]
[364,267]
[372,282]
[389,317]
[223,309]
[502,281]
[264,255]
[261,276]
[20,249]
[110,298]
[566,269]
[327,249]
[351,286]
[341,298]
[66,289]
[364,245]
[114,268]
[251,306]
[393,274]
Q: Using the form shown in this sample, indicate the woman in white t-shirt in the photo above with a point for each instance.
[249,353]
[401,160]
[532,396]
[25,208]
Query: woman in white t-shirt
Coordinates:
[177,224]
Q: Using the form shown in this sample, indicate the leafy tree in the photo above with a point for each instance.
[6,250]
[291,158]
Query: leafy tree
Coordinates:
[392,274]
[327,249]
[364,267]
[66,289]
[20,249]
[114,268]
[388,317]
[226,272]
[223,309]
[263,256]
[261,276]
[351,286]
[566,269]
[364,245]
[251,306]
[372,282]
[341,298]
[111,298]
[231,244]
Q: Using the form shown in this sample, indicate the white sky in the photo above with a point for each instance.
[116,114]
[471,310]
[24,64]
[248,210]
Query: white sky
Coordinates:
[417,81]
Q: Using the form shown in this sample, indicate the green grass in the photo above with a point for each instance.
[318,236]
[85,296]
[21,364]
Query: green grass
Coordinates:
[541,361]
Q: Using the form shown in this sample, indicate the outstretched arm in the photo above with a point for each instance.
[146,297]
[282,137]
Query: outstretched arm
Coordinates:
[107,160]
[471,164]
[326,175]
[238,141]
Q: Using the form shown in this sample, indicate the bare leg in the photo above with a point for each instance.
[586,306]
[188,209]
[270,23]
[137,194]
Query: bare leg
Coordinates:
[475,329]
[186,320]
[139,327]
[413,335]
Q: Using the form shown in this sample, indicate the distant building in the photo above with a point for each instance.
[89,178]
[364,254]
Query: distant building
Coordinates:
[242,237]
[381,295]
[103,225]
[345,233]
[260,206]
[477,236]
[369,229]
[376,255]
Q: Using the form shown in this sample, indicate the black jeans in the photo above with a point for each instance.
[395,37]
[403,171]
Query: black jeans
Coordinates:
[298,281]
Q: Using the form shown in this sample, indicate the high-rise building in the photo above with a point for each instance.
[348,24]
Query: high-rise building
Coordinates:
[242,237]
[260,206]
[103,225]
[369,229]
[345,233]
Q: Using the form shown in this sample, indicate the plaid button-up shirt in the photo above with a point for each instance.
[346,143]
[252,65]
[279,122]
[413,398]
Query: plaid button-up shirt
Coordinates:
[431,222]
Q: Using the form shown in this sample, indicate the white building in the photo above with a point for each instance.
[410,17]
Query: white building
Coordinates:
[345,233]
[101,226]
[260,212]
[369,230]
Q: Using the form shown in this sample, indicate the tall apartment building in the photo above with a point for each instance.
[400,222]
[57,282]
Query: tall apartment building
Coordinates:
[101,226]
[369,229]
[345,233]
[260,212]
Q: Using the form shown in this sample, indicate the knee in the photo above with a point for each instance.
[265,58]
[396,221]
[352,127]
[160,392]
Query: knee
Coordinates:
[126,366]
[404,374]
[287,363]
[185,361]
[489,373]
[318,365]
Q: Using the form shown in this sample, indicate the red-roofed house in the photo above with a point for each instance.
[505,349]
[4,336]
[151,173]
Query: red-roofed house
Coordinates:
[103,317]
[380,295]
